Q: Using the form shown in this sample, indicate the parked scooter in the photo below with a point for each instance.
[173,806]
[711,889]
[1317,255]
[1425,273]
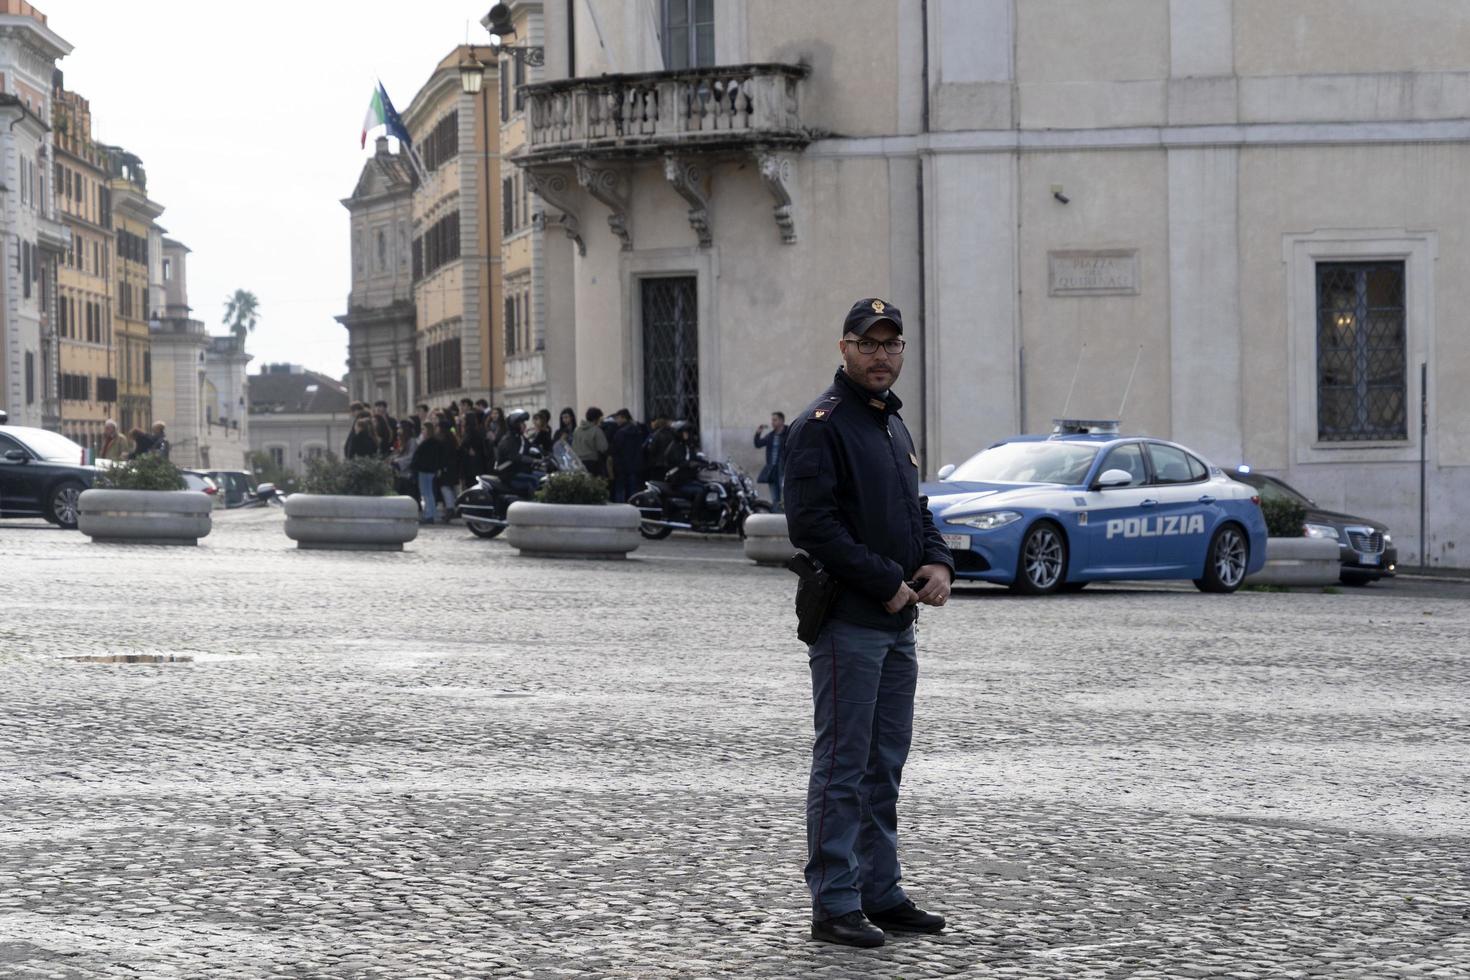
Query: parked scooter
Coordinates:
[485,506]
[265,495]
[726,498]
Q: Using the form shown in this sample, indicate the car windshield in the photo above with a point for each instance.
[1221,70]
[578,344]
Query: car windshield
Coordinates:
[53,447]
[1274,490]
[1066,463]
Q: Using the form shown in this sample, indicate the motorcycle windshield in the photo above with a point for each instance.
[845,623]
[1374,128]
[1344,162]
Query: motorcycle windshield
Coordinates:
[566,460]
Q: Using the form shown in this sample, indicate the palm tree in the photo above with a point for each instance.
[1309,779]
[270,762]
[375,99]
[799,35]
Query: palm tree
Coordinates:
[241,311]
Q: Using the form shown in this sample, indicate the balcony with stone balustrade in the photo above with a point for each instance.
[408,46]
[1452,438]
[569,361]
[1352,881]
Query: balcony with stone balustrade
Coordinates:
[587,132]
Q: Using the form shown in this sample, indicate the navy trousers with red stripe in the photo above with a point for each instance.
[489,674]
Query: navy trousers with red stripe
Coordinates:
[863,683]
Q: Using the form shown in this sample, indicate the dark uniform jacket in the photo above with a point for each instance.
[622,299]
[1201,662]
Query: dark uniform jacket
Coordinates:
[852,500]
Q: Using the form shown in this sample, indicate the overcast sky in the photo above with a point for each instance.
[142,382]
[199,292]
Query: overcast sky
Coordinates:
[247,118]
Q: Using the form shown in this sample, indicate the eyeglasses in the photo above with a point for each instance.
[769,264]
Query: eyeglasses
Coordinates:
[894,346]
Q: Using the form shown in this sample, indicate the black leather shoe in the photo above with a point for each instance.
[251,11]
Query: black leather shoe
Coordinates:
[906,917]
[852,929]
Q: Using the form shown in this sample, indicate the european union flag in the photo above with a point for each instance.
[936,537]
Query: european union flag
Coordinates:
[393,120]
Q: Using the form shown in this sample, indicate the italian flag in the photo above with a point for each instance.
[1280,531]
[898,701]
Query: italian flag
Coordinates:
[377,114]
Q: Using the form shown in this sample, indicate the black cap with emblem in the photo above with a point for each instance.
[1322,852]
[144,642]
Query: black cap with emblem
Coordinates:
[866,312]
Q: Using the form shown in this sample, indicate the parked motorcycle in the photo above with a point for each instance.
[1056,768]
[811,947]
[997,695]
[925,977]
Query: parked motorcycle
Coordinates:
[485,506]
[726,498]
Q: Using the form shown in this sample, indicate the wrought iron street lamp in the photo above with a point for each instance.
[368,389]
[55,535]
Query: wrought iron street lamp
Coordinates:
[500,26]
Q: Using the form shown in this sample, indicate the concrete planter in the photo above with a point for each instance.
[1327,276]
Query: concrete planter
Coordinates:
[144,516]
[340,523]
[573,530]
[766,540]
[1298,561]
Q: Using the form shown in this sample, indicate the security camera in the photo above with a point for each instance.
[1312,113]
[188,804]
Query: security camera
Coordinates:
[1061,197]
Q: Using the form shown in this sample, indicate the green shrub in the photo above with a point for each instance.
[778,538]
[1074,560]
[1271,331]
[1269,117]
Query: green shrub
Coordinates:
[365,476]
[573,488]
[1284,518]
[149,471]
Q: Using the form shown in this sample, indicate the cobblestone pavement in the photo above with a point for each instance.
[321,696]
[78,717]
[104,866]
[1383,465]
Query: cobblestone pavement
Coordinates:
[457,762]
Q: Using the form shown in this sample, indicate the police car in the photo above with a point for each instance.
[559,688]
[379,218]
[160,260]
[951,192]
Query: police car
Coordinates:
[1047,514]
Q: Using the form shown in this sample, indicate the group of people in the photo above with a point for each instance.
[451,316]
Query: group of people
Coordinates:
[118,447]
[436,452]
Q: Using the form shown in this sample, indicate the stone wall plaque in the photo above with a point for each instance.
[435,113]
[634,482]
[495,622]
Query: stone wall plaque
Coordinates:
[1104,272]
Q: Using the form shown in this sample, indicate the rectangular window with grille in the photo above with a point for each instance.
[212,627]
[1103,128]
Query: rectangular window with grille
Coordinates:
[507,206]
[670,348]
[1362,376]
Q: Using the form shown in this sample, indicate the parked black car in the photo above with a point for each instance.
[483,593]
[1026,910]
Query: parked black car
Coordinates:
[1367,549]
[41,475]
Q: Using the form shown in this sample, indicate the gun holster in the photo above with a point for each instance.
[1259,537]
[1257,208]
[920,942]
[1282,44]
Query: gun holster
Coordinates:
[816,590]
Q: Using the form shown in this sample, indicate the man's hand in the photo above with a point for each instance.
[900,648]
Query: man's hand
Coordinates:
[902,599]
[936,584]
[760,428]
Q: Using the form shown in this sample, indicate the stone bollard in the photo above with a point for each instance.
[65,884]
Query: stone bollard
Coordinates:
[766,540]
[573,530]
[335,522]
[179,517]
[1299,562]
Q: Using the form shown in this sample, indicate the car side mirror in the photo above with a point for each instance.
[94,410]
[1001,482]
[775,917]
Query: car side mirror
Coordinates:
[946,470]
[16,455]
[1113,478]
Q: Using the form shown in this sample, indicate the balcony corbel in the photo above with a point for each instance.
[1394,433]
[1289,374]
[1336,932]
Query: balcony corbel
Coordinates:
[606,185]
[775,170]
[687,178]
[554,186]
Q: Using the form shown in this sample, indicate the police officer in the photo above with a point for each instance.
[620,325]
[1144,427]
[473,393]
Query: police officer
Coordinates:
[852,502]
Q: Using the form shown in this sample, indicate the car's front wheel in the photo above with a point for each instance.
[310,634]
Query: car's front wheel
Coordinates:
[1043,562]
[1225,562]
[64,504]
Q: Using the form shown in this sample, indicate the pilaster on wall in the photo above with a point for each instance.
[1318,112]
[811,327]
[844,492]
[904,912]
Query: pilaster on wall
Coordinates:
[1202,84]
[477,254]
[1204,302]
[972,251]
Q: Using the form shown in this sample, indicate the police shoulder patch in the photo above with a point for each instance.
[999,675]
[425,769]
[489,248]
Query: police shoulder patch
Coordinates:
[824,408]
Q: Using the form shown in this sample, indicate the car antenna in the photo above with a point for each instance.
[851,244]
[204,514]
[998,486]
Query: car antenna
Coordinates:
[1129,388]
[1075,371]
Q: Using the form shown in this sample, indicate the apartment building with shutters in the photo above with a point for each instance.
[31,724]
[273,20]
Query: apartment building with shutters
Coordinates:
[455,249]
[84,295]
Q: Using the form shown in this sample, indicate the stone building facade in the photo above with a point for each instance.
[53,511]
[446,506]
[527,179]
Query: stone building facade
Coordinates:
[33,237]
[297,415]
[190,368]
[137,241]
[380,308]
[522,228]
[1203,205]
